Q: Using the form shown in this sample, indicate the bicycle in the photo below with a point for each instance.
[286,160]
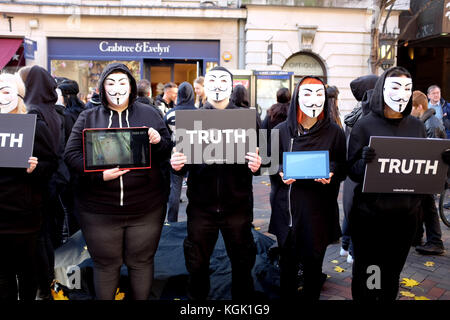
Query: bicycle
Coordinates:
[444,205]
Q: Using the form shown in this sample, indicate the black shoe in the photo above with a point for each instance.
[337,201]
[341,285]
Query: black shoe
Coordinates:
[430,249]
[417,243]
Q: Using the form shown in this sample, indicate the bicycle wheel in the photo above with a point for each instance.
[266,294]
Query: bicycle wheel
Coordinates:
[444,207]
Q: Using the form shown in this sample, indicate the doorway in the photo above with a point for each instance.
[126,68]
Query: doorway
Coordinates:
[160,72]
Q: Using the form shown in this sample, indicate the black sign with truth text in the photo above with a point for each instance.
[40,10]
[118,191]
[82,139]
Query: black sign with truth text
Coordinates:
[216,136]
[406,165]
[16,139]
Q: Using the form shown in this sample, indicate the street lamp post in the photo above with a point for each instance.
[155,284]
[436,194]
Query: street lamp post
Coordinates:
[386,50]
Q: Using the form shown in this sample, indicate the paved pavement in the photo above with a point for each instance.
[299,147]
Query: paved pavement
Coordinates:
[431,273]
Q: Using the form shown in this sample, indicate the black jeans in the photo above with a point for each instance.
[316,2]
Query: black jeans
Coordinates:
[113,240]
[203,230]
[381,240]
[176,183]
[430,217]
[18,260]
[291,255]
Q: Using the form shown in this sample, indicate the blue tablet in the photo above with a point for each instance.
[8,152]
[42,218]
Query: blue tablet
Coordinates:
[306,165]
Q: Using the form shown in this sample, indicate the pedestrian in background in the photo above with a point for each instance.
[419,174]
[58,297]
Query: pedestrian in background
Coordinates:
[200,96]
[185,101]
[332,96]
[440,105]
[429,215]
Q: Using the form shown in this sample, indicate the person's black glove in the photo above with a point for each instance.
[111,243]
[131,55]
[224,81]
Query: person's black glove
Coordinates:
[446,156]
[368,154]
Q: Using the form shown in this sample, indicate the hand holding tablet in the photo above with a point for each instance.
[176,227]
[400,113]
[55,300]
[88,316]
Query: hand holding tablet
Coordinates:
[307,165]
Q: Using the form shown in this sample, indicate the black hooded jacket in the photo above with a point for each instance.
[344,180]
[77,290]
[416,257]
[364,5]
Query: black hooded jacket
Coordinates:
[220,188]
[307,207]
[362,89]
[22,194]
[139,191]
[376,124]
[185,101]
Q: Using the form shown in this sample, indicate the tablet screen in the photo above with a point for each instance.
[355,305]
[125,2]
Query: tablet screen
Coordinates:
[306,165]
[116,147]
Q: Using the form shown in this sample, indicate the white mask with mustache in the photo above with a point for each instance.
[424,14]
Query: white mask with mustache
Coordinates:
[396,92]
[218,85]
[117,88]
[9,97]
[311,98]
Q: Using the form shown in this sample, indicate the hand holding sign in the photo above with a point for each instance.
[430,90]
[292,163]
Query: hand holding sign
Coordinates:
[33,161]
[153,136]
[446,156]
[254,160]
[368,154]
[112,174]
[177,160]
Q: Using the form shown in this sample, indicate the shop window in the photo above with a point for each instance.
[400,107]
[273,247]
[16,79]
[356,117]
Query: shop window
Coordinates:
[87,72]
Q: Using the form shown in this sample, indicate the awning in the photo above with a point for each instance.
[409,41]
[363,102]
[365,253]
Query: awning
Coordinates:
[8,50]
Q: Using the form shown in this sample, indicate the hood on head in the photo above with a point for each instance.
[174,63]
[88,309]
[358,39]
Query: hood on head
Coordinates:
[40,87]
[294,107]
[185,94]
[377,100]
[360,85]
[112,68]
[69,87]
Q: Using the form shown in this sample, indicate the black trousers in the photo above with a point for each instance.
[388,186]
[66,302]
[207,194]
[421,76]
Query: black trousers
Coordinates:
[114,240]
[381,240]
[430,217]
[18,266]
[291,256]
[203,230]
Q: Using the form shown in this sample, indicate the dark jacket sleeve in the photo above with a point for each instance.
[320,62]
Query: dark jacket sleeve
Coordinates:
[47,157]
[338,160]
[73,153]
[446,113]
[164,147]
[356,166]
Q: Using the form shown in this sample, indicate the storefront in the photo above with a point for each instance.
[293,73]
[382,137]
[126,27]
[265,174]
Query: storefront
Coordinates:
[11,54]
[159,61]
[424,49]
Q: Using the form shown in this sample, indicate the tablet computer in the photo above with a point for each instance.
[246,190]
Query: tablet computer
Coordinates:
[126,148]
[306,165]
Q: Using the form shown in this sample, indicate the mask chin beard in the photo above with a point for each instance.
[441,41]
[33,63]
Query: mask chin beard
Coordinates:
[312,112]
[117,99]
[8,108]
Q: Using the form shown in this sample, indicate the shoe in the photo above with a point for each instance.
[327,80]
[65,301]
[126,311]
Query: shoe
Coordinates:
[343,252]
[430,249]
[417,242]
[447,205]
[349,258]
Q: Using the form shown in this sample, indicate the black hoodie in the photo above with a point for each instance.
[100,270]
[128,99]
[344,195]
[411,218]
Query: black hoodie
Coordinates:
[376,124]
[185,101]
[138,191]
[22,194]
[309,207]
[217,188]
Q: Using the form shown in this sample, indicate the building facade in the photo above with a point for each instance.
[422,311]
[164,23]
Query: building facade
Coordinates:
[178,40]
[159,40]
